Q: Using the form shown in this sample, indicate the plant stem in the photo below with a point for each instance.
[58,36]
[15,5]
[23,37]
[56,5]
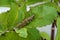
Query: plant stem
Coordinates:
[53,30]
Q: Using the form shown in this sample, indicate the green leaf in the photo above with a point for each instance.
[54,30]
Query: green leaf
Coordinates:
[7,3]
[4,2]
[21,13]
[42,15]
[22,32]
[21,16]
[51,4]
[12,16]
[3,22]
[58,29]
[33,34]
[12,35]
[45,36]
[56,1]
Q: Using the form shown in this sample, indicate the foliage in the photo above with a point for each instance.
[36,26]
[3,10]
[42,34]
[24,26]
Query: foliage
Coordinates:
[21,25]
